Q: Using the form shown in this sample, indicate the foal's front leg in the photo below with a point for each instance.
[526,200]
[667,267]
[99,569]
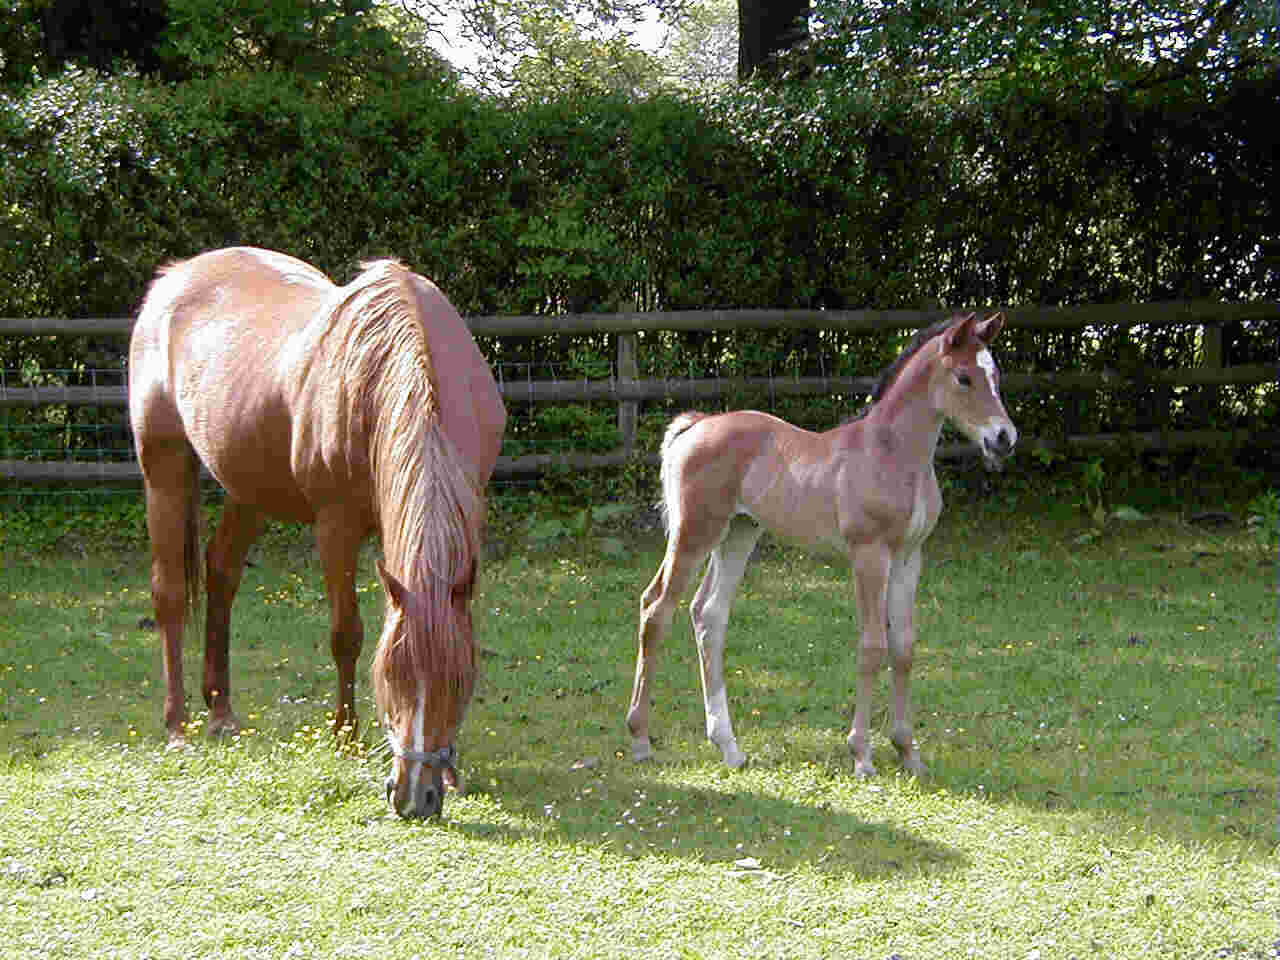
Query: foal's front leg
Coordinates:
[871,565]
[904,578]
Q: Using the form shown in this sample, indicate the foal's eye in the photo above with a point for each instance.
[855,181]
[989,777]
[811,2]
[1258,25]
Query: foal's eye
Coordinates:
[963,380]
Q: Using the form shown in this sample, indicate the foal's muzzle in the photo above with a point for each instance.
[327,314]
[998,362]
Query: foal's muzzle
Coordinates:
[998,448]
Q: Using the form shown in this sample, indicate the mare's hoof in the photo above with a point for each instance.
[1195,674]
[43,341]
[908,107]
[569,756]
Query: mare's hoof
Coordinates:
[222,727]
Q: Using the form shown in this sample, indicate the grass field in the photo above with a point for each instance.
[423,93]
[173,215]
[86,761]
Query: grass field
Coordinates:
[1097,707]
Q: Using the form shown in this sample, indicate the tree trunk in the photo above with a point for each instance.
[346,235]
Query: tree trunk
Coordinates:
[767,28]
[101,32]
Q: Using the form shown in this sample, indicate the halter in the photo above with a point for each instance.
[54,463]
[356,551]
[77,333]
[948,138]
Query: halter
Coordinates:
[442,759]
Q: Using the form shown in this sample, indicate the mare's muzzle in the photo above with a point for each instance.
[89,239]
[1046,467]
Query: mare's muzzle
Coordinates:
[419,791]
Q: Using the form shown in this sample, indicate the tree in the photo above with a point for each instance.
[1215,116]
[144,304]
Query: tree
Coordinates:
[46,36]
[767,28]
[564,59]
[337,43]
[701,49]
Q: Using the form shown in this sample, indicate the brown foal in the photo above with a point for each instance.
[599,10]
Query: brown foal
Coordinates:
[866,488]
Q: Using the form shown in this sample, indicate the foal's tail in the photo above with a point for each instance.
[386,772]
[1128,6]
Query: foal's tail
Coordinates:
[668,481]
[191,565]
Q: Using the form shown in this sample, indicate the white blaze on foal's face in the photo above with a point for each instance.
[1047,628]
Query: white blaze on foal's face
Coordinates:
[987,363]
[998,433]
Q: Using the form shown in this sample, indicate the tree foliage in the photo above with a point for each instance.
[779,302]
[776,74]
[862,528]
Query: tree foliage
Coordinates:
[948,155]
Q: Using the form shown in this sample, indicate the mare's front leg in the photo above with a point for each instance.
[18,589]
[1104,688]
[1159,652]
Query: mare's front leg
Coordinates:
[710,615]
[239,527]
[902,637]
[338,540]
[871,565]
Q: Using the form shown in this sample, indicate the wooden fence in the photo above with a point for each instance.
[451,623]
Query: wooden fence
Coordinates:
[627,390]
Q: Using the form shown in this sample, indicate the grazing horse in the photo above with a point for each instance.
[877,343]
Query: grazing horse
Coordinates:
[355,409]
[866,488]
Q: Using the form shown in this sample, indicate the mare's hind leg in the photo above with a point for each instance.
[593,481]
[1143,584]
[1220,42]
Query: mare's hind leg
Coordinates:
[239,527]
[657,609]
[710,615]
[338,541]
[169,474]
[902,638]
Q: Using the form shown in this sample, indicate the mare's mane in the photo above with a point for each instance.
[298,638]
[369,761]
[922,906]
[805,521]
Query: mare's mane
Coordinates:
[427,503]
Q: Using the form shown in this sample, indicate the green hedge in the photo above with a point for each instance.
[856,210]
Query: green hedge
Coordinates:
[816,196]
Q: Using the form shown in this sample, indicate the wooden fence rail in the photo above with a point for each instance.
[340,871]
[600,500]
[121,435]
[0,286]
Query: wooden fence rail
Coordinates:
[1161,314]
[627,390]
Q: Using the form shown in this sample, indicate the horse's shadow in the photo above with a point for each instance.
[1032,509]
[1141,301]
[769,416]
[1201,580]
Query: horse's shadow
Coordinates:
[632,811]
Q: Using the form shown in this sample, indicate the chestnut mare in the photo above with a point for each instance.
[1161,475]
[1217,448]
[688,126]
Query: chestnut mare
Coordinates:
[867,488]
[356,409]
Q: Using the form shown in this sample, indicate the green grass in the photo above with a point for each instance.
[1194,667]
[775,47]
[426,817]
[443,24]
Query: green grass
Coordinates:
[1098,714]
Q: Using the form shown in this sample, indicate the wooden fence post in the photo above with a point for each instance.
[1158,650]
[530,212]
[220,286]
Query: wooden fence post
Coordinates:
[628,410]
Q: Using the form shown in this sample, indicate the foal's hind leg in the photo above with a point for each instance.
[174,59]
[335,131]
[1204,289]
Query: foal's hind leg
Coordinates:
[902,638]
[710,615]
[657,609]
[239,527]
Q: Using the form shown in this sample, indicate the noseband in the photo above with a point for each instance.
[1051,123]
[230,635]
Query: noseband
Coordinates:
[442,759]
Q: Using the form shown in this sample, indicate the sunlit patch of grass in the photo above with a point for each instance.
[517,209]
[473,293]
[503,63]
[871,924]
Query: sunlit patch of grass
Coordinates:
[1102,770]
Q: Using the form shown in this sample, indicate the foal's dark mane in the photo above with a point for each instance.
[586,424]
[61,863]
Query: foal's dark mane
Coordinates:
[890,373]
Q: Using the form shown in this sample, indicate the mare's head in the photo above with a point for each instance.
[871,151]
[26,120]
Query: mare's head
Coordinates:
[966,387]
[430,504]
[423,676]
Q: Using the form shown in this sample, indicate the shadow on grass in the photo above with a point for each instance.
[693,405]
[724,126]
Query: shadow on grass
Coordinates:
[637,811]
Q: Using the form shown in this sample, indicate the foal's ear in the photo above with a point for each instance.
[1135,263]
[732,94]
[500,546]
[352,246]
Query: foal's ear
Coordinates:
[396,591]
[958,333]
[987,330]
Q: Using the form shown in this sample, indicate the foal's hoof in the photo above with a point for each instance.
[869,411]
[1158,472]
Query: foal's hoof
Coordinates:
[915,767]
[864,769]
[641,750]
[734,758]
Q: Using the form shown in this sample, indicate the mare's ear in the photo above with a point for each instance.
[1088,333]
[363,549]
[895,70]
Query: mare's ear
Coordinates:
[987,330]
[397,593]
[958,333]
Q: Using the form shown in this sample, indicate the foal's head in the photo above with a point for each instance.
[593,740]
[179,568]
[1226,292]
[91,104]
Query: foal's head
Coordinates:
[966,387]
[424,674]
